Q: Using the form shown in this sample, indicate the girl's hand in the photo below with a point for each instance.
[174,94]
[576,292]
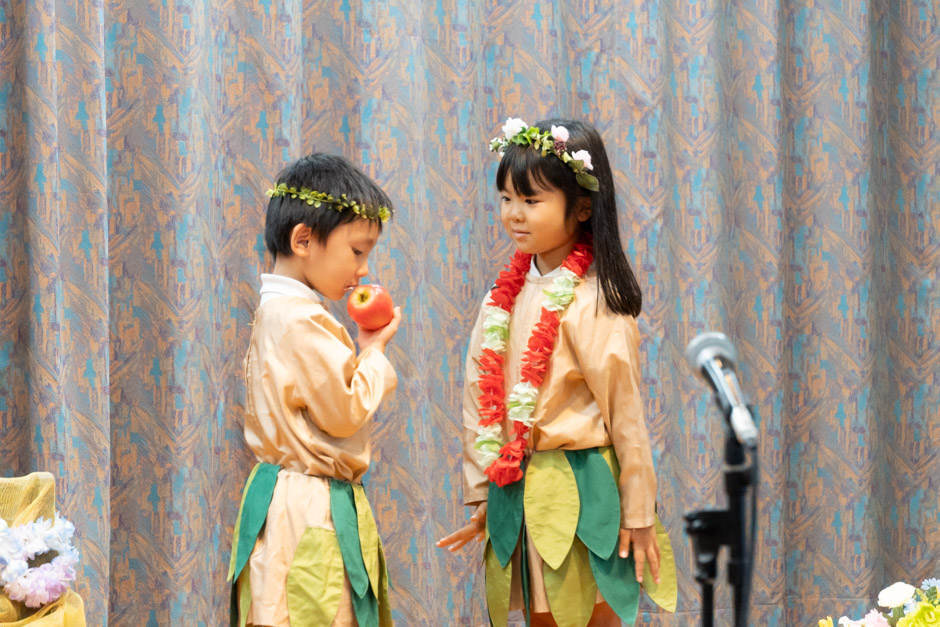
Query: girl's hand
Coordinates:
[380,337]
[475,529]
[645,549]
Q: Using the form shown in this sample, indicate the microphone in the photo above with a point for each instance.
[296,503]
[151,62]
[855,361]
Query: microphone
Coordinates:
[714,357]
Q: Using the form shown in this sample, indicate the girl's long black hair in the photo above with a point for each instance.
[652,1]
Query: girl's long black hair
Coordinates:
[526,165]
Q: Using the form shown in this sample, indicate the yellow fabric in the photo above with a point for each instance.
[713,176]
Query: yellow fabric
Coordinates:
[68,611]
[310,398]
[315,579]
[498,586]
[665,593]
[552,506]
[590,396]
[571,590]
[25,499]
[368,538]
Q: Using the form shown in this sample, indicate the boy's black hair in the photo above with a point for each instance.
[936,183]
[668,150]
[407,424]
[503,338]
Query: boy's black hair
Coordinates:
[526,166]
[330,174]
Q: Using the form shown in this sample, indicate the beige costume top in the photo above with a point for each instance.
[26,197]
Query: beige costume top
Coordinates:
[310,397]
[589,397]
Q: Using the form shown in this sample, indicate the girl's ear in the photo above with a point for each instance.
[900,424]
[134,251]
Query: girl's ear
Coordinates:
[301,240]
[584,209]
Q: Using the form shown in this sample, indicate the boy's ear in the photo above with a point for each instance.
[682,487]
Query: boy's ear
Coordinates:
[301,240]
[584,209]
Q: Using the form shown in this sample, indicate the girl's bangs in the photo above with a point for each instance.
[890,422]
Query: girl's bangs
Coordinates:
[524,166]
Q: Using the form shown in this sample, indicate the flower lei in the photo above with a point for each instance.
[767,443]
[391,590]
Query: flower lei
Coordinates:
[317,199]
[515,131]
[36,586]
[503,462]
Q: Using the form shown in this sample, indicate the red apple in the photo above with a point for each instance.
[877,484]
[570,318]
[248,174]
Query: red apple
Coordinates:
[370,306]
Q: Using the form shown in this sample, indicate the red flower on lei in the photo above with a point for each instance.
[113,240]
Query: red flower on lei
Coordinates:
[492,400]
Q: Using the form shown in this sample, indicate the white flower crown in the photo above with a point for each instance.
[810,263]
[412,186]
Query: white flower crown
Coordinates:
[515,131]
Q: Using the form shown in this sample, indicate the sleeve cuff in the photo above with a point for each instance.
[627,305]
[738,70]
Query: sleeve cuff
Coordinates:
[475,496]
[382,366]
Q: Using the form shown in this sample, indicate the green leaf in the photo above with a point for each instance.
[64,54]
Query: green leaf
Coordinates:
[665,593]
[571,589]
[524,576]
[346,522]
[244,598]
[616,580]
[610,456]
[366,608]
[254,510]
[587,181]
[368,536]
[599,522]
[551,505]
[498,586]
[315,578]
[504,518]
[385,608]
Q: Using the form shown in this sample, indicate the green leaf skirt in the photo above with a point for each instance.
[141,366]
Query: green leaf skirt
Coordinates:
[568,507]
[323,558]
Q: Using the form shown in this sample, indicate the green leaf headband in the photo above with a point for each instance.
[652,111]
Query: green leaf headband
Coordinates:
[517,132]
[342,203]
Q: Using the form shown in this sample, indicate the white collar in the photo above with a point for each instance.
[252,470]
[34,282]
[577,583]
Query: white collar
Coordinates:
[274,285]
[534,270]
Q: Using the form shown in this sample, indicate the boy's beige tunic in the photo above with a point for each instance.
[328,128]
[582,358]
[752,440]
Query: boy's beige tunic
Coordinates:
[310,402]
[590,397]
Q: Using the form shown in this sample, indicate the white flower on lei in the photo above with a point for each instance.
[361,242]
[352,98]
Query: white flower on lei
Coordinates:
[562,291]
[488,443]
[521,403]
[495,328]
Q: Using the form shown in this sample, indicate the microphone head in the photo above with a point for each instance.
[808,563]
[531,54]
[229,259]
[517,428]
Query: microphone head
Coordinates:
[711,345]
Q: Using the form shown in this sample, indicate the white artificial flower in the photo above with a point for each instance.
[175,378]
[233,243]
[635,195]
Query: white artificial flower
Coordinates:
[513,127]
[560,133]
[845,621]
[13,571]
[896,595]
[491,432]
[585,156]
[521,403]
[562,291]
[32,536]
[495,328]
[495,316]
[487,457]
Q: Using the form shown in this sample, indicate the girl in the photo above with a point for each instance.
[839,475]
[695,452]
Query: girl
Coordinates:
[306,549]
[560,469]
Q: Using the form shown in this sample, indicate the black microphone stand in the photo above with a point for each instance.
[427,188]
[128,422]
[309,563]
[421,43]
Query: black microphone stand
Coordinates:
[711,529]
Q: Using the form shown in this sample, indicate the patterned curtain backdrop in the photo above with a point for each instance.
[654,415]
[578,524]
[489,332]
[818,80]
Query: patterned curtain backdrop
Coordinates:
[777,167]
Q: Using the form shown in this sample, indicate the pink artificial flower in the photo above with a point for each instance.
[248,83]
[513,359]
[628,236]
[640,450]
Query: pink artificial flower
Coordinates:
[875,619]
[585,157]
